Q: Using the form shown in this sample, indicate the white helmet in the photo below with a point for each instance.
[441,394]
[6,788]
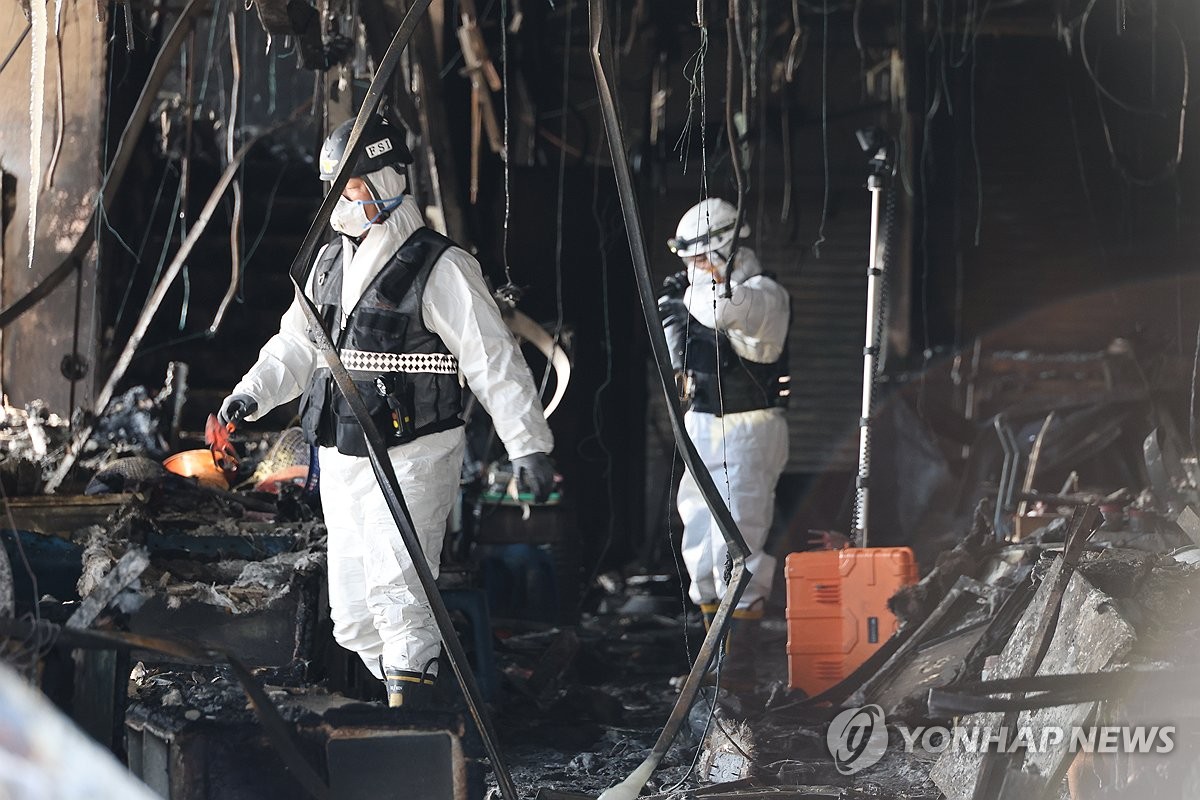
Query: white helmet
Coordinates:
[706,227]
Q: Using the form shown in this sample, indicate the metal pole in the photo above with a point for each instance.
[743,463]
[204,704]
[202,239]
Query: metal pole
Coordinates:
[870,358]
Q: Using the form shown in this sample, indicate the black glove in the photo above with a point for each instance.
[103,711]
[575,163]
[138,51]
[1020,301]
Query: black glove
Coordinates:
[236,407]
[536,473]
[675,285]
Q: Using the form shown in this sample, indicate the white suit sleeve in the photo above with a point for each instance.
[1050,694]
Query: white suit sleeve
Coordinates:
[458,307]
[755,313]
[284,366]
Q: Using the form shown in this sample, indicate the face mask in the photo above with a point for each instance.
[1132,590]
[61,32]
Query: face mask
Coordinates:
[349,218]
[705,276]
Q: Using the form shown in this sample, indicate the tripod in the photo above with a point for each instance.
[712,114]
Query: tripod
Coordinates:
[876,141]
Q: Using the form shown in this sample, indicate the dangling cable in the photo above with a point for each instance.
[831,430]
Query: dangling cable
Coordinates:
[60,123]
[734,37]
[693,71]
[597,409]
[558,210]
[1192,401]
[209,60]
[1171,167]
[697,94]
[185,159]
[975,134]
[37,114]
[760,26]
[13,50]
[816,246]
[166,248]
[931,110]
[262,231]
[509,287]
[235,222]
[137,264]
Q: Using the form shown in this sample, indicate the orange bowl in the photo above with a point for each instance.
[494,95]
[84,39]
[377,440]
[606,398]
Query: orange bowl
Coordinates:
[199,464]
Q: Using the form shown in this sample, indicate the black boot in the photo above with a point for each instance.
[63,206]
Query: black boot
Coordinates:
[408,689]
[411,689]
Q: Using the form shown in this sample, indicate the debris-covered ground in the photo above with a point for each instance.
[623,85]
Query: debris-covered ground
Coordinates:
[1083,608]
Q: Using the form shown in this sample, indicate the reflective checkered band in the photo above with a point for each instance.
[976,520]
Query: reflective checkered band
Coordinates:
[362,361]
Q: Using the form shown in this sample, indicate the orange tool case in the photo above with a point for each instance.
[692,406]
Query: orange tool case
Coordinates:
[837,610]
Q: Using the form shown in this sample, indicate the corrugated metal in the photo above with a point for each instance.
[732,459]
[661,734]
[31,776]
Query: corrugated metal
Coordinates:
[826,339]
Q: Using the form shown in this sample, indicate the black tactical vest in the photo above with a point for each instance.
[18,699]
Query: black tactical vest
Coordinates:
[721,381]
[405,373]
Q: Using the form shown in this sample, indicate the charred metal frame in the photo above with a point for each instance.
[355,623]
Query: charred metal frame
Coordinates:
[997,766]
[601,54]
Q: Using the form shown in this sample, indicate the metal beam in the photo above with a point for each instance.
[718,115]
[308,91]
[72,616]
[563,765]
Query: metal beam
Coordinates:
[601,53]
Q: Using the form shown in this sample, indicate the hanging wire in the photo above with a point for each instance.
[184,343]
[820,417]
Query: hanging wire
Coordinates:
[214,22]
[720,655]
[16,45]
[262,231]
[856,29]
[597,406]
[736,150]
[905,124]
[562,172]
[760,26]
[934,104]
[969,49]
[797,49]
[272,82]
[1170,169]
[698,92]
[816,245]
[60,123]
[169,343]
[975,138]
[1085,18]
[102,217]
[508,286]
[166,248]
[943,62]
[236,243]
[693,71]
[1192,400]
[168,168]
[37,120]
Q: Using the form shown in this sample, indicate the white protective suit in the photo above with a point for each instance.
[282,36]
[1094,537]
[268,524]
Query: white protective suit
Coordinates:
[376,601]
[754,444]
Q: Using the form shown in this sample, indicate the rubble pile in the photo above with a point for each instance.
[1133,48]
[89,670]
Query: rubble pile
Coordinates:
[1064,600]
